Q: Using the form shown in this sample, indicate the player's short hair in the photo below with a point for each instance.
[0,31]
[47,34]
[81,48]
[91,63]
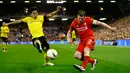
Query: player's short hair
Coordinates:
[34,8]
[81,13]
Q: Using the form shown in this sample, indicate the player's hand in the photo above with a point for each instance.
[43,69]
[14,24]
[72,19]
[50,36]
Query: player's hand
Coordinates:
[58,8]
[113,29]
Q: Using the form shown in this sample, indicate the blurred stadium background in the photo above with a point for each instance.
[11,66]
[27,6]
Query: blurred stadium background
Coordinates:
[24,59]
[114,12]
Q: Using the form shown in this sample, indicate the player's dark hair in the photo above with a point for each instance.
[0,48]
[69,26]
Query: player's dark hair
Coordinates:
[81,13]
[34,8]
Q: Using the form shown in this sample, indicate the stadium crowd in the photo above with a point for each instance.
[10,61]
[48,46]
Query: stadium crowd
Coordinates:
[53,32]
[123,30]
[15,34]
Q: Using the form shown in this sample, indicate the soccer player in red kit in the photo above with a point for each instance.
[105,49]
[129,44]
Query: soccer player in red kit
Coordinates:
[83,26]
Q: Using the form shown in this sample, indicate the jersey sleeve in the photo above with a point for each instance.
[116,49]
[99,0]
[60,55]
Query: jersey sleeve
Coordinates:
[25,19]
[92,21]
[95,22]
[41,17]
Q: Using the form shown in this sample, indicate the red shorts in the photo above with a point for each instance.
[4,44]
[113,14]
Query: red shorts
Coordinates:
[88,42]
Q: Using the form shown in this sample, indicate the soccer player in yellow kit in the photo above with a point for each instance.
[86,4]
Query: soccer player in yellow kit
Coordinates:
[73,38]
[4,36]
[35,22]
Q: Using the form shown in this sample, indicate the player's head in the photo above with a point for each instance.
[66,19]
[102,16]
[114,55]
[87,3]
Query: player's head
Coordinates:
[3,23]
[34,12]
[81,15]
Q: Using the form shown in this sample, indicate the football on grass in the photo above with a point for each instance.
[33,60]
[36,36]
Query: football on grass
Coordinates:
[52,53]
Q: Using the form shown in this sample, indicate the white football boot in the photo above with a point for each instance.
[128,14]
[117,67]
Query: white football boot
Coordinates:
[94,64]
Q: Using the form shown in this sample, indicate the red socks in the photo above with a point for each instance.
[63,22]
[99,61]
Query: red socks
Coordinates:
[86,60]
[91,60]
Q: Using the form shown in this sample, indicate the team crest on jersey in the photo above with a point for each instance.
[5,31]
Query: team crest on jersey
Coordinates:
[82,28]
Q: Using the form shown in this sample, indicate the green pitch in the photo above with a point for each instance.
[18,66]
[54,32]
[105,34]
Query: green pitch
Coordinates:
[26,59]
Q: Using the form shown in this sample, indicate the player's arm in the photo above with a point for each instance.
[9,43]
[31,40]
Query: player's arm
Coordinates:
[54,12]
[96,22]
[15,22]
[25,20]
[69,34]
[69,37]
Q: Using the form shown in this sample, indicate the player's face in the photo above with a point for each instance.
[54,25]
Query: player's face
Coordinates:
[80,18]
[34,14]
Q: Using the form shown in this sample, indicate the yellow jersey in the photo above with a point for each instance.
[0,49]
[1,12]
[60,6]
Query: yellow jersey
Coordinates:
[4,31]
[35,25]
[73,34]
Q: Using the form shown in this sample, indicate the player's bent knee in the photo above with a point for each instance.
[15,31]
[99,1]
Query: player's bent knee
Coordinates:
[77,56]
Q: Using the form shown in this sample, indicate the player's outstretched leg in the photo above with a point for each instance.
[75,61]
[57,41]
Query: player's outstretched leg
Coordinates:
[78,55]
[75,43]
[37,44]
[46,61]
[87,59]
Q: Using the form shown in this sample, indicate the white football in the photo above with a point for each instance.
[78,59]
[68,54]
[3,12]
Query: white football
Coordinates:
[52,53]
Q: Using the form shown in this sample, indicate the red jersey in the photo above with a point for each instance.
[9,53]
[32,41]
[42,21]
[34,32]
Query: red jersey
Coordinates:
[83,29]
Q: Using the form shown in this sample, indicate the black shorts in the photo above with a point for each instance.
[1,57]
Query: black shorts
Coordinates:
[4,39]
[44,44]
[73,39]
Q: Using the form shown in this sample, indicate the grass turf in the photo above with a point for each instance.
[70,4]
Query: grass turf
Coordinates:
[26,59]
